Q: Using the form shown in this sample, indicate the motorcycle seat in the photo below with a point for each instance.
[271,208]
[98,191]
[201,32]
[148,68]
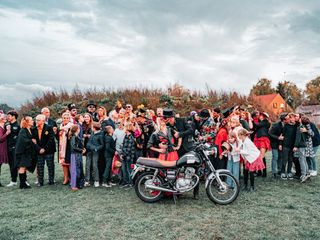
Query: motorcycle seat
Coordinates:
[154,162]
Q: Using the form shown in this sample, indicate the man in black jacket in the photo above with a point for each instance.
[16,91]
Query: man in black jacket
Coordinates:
[287,145]
[45,147]
[182,130]
[11,142]
[275,136]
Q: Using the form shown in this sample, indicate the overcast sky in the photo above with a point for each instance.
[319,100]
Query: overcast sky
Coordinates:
[48,45]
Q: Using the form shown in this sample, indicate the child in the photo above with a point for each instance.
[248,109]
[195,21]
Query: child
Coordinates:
[94,146]
[77,149]
[252,158]
[109,151]
[128,154]
[233,157]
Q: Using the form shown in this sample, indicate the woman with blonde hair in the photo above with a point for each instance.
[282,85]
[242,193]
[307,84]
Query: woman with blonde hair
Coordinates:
[25,151]
[64,146]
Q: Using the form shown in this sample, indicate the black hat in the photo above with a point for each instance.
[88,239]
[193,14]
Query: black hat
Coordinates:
[217,110]
[228,111]
[71,106]
[283,116]
[167,113]
[204,113]
[91,103]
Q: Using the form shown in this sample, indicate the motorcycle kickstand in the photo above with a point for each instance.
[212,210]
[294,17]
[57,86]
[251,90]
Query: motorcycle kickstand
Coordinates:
[175,199]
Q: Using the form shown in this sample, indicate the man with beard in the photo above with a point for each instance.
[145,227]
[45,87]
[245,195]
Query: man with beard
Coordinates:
[91,109]
[45,147]
[73,111]
[182,130]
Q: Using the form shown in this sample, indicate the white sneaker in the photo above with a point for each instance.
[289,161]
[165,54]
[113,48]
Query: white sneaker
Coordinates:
[113,184]
[87,184]
[313,173]
[28,184]
[106,185]
[12,184]
[96,184]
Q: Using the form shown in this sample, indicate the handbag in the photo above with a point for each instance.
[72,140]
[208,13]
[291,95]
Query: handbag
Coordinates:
[117,161]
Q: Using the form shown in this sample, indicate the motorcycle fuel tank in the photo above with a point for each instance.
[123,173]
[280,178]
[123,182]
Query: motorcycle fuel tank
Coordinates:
[189,159]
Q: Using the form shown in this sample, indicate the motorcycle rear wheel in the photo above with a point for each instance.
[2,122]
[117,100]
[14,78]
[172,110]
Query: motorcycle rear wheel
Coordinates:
[145,194]
[226,193]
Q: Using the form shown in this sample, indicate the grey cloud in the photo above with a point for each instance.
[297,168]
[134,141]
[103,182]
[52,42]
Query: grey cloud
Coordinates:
[153,43]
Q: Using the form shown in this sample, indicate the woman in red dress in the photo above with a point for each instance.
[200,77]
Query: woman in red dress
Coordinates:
[261,138]
[163,142]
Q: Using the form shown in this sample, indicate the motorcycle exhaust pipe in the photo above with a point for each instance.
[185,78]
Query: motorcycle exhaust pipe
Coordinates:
[153,187]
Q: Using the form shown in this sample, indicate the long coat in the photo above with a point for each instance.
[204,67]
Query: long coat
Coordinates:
[25,151]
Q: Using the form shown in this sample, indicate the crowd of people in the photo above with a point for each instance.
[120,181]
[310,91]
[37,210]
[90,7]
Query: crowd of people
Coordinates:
[99,148]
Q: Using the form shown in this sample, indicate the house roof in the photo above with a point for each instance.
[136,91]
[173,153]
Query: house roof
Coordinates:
[313,108]
[266,98]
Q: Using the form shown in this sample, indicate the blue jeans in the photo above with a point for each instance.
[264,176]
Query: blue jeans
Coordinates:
[303,161]
[276,161]
[234,168]
[107,170]
[126,171]
[312,161]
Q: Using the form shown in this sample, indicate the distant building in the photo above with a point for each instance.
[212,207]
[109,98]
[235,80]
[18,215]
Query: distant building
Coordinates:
[311,111]
[272,103]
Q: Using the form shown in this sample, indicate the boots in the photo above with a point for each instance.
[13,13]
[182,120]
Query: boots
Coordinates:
[23,185]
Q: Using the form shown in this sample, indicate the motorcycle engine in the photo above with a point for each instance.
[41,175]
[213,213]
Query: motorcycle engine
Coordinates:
[186,182]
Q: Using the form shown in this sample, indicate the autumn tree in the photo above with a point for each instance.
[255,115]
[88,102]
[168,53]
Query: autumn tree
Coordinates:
[262,87]
[312,91]
[290,93]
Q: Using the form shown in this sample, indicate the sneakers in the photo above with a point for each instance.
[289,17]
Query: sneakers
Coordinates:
[313,173]
[113,184]
[304,178]
[12,184]
[96,184]
[87,184]
[107,185]
[28,184]
[290,176]
[283,176]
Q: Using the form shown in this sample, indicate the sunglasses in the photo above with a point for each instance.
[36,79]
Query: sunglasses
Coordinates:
[128,107]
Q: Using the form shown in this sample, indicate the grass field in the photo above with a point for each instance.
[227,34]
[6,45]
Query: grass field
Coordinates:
[278,210]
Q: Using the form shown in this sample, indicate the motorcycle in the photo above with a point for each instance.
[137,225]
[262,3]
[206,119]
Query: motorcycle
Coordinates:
[152,177]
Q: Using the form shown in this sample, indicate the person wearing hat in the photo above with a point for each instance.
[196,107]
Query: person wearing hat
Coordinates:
[182,130]
[91,109]
[73,111]
[261,138]
[275,137]
[12,116]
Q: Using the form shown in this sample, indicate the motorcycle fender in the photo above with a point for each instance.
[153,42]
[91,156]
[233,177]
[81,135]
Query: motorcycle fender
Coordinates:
[212,175]
[136,170]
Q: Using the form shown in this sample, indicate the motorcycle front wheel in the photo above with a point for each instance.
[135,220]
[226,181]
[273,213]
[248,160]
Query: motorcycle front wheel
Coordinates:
[144,193]
[224,193]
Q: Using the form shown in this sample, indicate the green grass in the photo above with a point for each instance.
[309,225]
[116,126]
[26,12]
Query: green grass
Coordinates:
[278,210]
